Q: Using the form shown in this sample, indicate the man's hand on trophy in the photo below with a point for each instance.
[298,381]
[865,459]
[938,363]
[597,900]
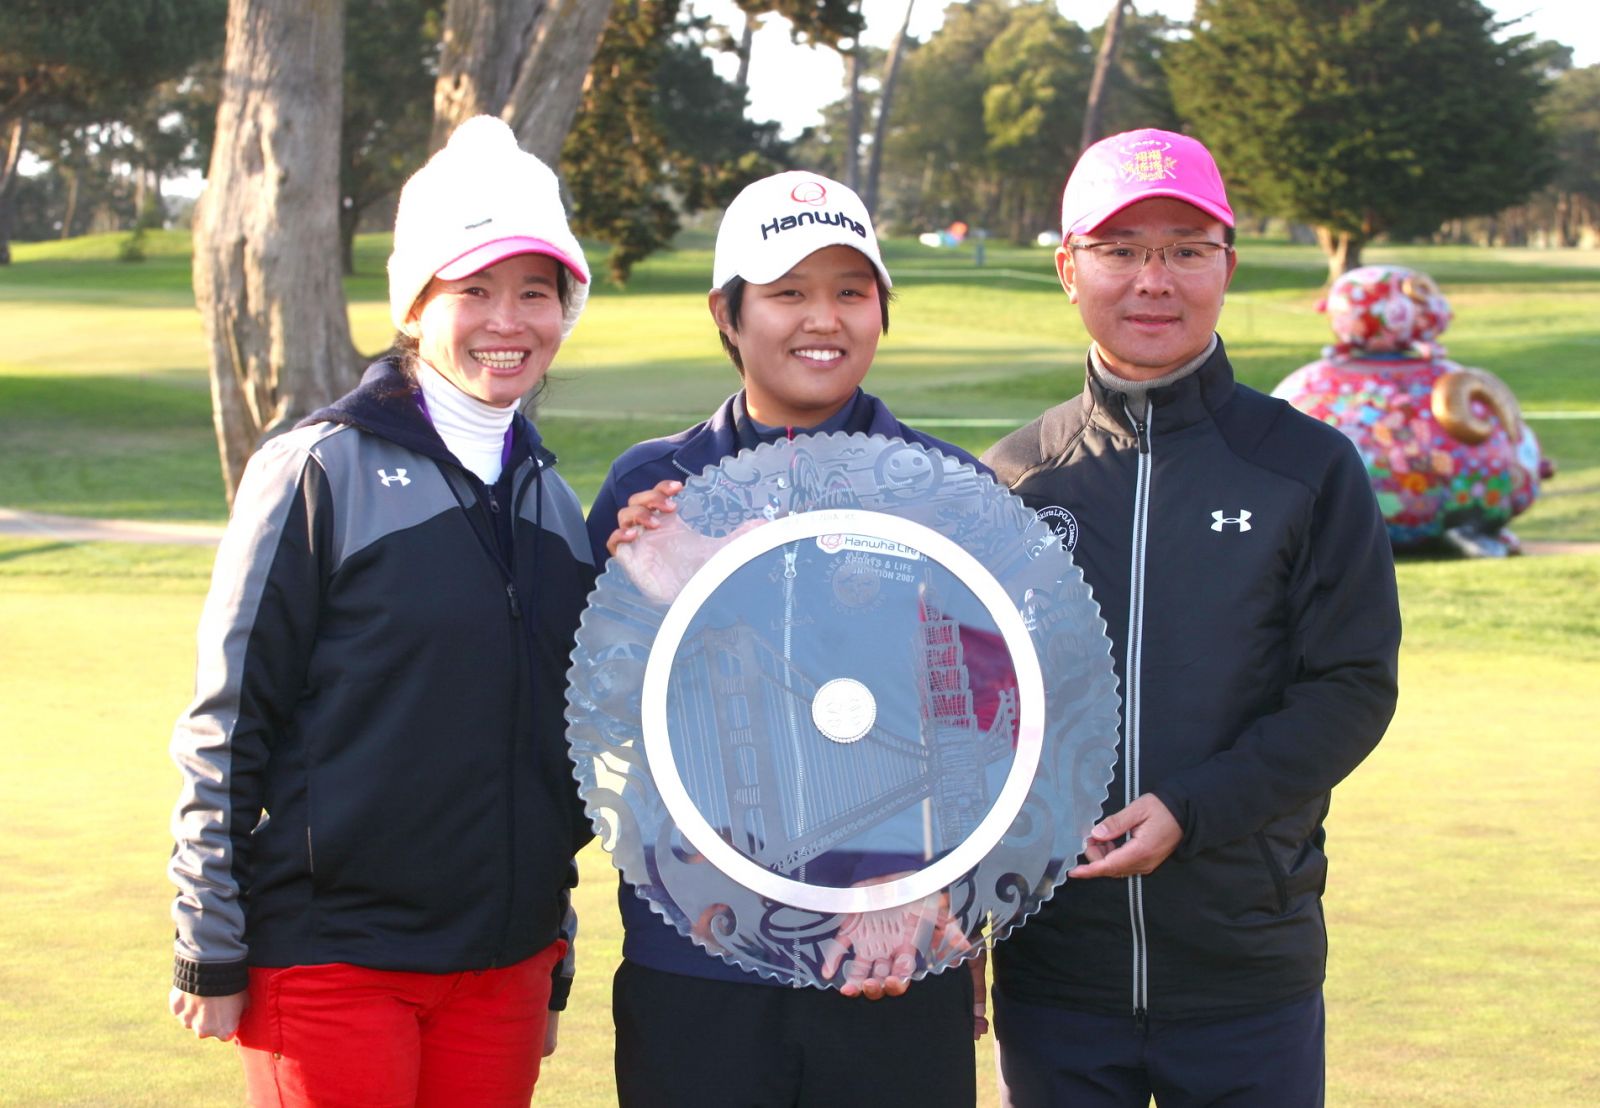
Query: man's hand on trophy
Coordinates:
[886,944]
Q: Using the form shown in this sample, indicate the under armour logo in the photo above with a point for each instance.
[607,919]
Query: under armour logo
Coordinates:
[1241,521]
[400,475]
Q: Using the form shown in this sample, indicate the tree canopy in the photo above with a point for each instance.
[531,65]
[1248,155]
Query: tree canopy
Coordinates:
[659,134]
[1573,111]
[986,126]
[87,61]
[391,48]
[84,51]
[1361,117]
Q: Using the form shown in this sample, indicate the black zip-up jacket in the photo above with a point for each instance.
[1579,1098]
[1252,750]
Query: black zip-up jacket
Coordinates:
[374,765]
[1240,560]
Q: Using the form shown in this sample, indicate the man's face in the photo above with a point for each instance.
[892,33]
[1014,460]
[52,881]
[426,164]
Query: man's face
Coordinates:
[1150,322]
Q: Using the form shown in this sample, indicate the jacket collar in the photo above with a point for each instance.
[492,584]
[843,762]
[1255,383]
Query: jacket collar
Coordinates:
[718,437]
[1173,407]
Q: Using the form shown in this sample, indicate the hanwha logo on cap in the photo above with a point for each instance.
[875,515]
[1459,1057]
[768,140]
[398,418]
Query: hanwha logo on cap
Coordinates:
[809,192]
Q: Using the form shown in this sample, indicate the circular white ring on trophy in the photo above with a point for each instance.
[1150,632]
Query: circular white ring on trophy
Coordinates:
[844,709]
[697,830]
[978,678]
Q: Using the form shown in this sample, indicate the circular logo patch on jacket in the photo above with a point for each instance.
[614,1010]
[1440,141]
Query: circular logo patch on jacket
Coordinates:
[1062,524]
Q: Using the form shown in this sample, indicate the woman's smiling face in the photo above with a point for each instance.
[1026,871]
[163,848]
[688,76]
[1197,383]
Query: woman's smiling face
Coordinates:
[807,339]
[494,333]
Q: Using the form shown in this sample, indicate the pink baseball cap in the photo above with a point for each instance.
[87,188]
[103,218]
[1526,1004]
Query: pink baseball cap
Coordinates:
[1137,165]
[482,257]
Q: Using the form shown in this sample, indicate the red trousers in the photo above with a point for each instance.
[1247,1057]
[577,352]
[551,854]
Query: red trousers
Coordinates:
[340,1036]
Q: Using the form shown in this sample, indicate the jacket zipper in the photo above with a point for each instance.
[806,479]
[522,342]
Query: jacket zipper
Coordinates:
[489,508]
[522,631]
[1133,666]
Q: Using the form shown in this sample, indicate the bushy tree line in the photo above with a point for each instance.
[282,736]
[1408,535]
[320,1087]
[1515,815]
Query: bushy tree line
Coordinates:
[1361,117]
[1347,116]
[989,112]
[1365,117]
[85,85]
[1566,211]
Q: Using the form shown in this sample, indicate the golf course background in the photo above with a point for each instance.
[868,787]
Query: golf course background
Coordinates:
[1464,901]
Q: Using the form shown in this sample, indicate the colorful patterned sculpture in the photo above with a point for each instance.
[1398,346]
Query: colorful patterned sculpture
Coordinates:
[1446,448]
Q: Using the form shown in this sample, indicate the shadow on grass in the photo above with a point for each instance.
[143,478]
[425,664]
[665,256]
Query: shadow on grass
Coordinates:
[108,445]
[37,550]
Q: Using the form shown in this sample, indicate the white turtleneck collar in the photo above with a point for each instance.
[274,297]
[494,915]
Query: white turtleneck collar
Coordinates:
[474,431]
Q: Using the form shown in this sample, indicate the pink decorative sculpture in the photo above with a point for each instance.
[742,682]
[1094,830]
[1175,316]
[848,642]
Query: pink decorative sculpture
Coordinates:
[1446,448]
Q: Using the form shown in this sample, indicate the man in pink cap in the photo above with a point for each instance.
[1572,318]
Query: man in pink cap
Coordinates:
[1243,569]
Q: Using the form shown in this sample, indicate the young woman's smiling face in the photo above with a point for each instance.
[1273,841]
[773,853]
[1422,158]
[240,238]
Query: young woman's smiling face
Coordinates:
[806,339]
[492,334]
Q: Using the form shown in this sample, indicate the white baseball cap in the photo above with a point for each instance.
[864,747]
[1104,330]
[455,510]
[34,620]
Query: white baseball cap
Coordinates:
[778,221]
[478,201]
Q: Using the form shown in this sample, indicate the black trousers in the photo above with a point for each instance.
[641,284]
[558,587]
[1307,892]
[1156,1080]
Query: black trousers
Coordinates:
[1054,1056]
[708,1044]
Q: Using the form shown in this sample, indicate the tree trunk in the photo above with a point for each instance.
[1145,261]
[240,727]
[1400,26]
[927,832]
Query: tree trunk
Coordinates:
[1343,249]
[852,138]
[880,129]
[1102,69]
[747,39]
[349,218]
[73,176]
[139,179]
[522,60]
[266,268]
[18,128]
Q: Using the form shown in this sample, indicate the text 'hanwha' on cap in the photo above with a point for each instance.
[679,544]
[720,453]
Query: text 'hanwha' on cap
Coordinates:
[832,219]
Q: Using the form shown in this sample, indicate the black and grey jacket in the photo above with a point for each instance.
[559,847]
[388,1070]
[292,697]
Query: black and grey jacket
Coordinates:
[1247,584]
[374,765]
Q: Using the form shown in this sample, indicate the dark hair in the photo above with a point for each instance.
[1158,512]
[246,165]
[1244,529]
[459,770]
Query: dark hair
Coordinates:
[733,297]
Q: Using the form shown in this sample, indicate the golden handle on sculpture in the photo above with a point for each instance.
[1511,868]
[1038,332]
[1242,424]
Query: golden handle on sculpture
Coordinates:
[1453,395]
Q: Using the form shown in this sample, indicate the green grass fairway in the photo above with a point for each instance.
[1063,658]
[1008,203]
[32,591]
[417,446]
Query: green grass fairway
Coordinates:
[1464,904]
[104,405]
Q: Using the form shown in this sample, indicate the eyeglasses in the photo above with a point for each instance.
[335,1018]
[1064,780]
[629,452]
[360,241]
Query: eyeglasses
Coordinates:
[1128,258]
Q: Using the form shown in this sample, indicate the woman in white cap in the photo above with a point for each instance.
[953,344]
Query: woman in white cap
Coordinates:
[800,300]
[377,823]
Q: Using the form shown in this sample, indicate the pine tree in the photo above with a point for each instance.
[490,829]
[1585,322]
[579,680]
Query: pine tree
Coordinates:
[1362,117]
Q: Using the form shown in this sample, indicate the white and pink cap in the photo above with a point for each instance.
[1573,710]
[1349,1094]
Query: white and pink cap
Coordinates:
[1138,165]
[478,201]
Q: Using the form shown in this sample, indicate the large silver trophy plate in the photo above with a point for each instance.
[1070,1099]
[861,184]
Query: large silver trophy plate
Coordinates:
[853,706]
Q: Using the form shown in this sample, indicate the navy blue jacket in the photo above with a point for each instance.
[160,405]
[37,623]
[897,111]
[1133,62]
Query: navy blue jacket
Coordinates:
[647,939]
